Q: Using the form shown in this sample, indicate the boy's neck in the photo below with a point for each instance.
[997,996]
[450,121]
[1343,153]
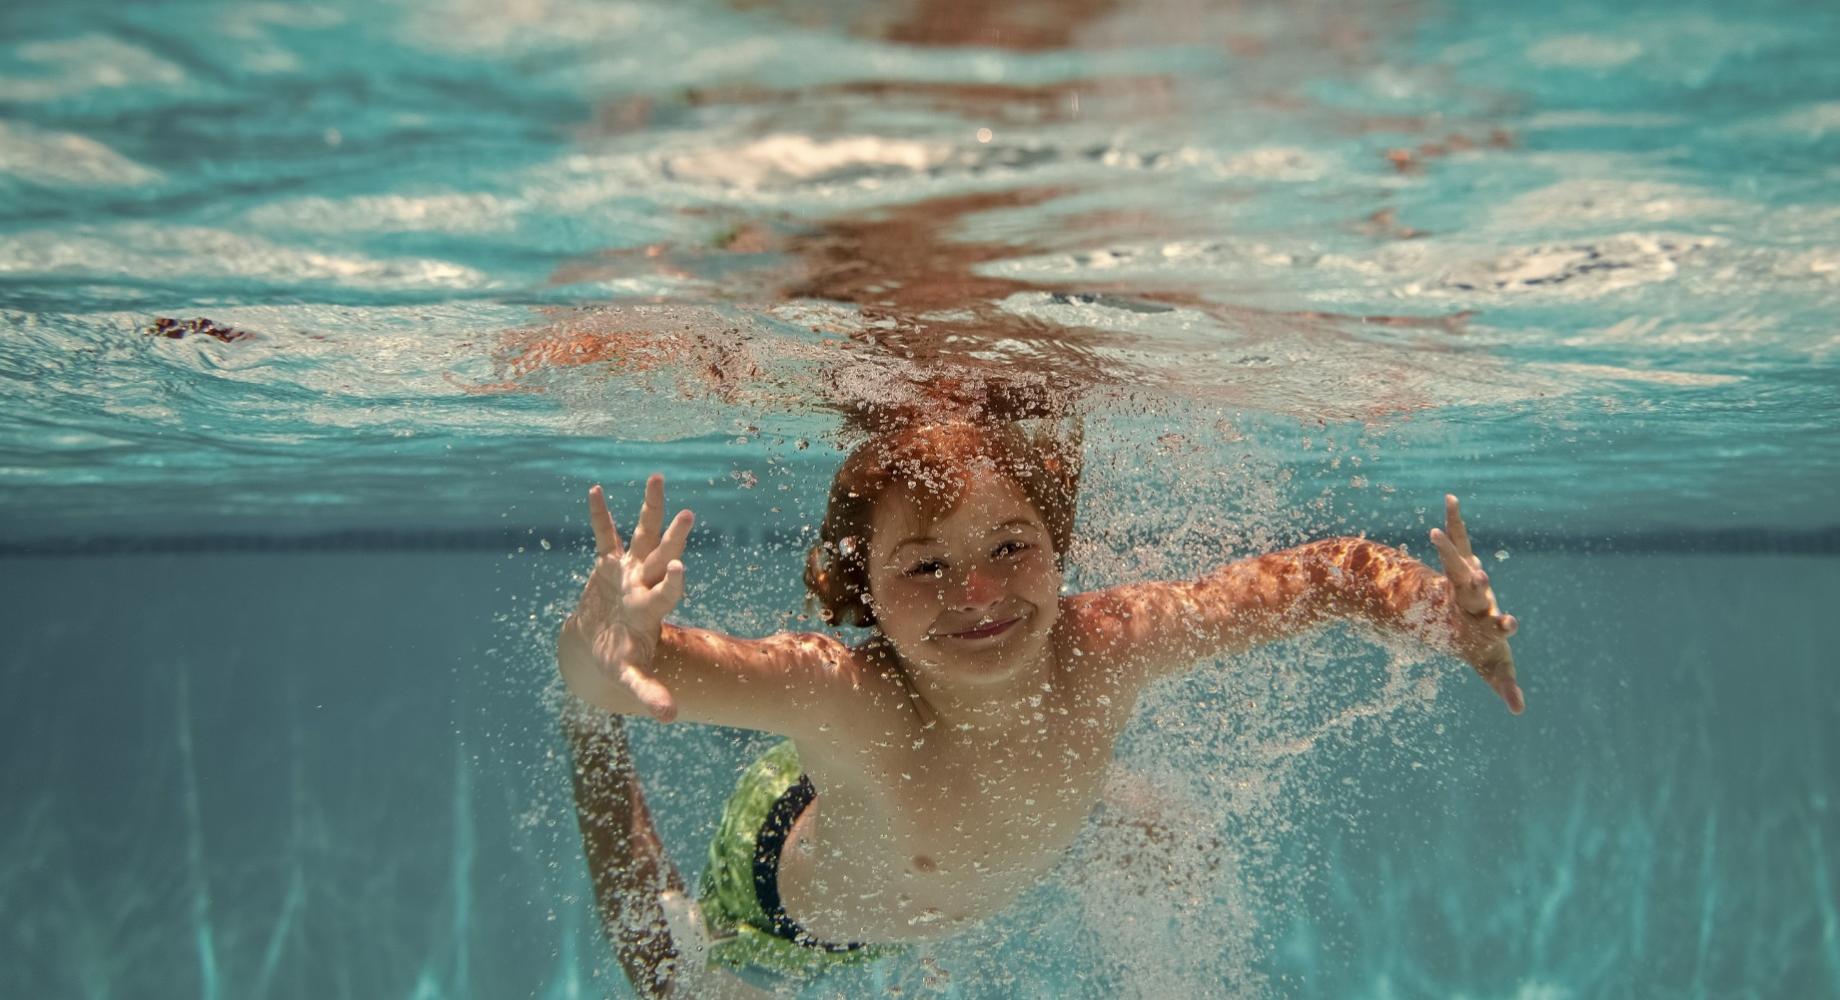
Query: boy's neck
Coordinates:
[999,710]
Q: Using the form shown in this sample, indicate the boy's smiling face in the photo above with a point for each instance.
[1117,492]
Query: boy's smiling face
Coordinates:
[971,595]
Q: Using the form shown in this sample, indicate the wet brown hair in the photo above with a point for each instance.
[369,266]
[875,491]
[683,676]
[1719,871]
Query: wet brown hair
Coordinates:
[932,465]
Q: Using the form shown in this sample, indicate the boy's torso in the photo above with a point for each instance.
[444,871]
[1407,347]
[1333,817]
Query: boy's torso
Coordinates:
[917,830]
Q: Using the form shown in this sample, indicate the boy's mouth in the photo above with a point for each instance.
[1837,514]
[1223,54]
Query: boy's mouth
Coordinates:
[984,631]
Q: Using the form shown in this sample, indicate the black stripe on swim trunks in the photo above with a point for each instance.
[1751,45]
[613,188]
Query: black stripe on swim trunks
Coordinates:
[767,847]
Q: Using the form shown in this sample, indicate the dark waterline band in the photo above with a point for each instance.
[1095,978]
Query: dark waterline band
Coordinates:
[530,541]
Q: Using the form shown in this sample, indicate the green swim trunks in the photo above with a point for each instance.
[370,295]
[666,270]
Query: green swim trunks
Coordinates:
[740,892]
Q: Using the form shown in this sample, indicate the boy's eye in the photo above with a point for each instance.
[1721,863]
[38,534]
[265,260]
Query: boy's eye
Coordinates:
[1009,548]
[928,567]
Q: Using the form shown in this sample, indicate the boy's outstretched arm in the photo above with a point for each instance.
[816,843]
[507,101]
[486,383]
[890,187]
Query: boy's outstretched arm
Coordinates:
[633,878]
[1142,631]
[616,651]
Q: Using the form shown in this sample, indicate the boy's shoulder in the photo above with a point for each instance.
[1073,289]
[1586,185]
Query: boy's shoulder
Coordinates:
[871,701]
[1100,643]
[872,673]
[1092,622]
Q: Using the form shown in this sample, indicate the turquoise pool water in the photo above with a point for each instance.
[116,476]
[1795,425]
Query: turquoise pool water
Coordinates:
[318,319]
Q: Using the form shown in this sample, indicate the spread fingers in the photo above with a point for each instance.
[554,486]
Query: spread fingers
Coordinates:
[606,537]
[1500,676]
[671,590]
[670,547]
[1453,525]
[1455,566]
[651,518]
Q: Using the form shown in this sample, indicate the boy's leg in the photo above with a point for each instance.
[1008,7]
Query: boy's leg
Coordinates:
[626,861]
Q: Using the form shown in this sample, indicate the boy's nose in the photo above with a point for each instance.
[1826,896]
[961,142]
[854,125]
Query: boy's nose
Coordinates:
[980,589]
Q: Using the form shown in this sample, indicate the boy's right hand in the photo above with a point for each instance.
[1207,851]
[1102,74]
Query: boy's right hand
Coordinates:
[629,593]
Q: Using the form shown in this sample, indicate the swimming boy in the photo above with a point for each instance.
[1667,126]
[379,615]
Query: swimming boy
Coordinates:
[939,768]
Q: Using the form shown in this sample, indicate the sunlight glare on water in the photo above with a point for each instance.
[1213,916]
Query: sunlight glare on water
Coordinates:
[1323,212]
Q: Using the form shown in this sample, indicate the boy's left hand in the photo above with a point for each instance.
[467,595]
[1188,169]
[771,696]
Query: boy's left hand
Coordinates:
[1479,629]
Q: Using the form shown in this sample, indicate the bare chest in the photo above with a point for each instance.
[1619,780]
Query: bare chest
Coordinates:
[919,838]
[1001,807]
